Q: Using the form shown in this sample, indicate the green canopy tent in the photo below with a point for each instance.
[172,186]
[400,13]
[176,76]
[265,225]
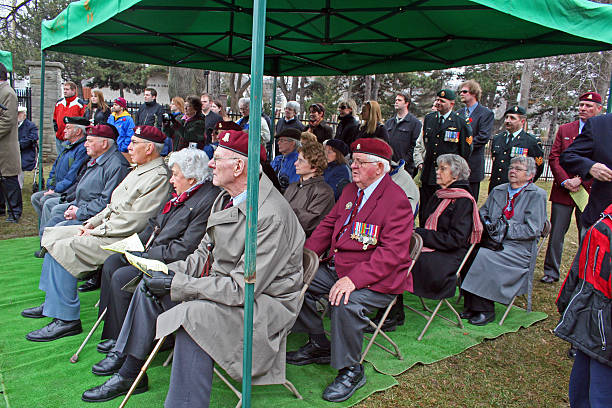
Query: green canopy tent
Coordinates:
[6,58]
[321,37]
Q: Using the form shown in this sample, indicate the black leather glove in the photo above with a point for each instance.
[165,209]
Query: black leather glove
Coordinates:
[158,283]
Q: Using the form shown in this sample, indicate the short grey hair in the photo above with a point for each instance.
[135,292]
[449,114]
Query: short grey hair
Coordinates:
[378,159]
[159,147]
[528,162]
[458,166]
[83,128]
[193,164]
[293,105]
[244,101]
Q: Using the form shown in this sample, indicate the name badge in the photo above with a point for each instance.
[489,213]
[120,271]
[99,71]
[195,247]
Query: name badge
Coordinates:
[367,234]
[451,136]
[519,151]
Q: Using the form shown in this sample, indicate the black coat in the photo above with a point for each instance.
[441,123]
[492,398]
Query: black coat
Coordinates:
[182,228]
[149,114]
[434,274]
[322,131]
[592,146]
[403,136]
[380,133]
[98,115]
[28,141]
[210,121]
[481,121]
[347,129]
[283,124]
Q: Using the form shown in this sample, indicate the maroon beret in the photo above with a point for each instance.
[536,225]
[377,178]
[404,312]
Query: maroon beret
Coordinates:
[121,102]
[373,146]
[590,97]
[150,133]
[227,125]
[103,130]
[238,141]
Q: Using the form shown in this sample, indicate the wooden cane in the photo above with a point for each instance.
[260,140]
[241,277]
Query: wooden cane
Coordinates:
[142,372]
[75,356]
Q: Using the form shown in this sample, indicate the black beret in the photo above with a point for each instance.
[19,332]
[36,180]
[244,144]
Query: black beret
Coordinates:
[517,110]
[76,120]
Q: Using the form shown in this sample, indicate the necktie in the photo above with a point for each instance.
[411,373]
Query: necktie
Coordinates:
[92,162]
[354,211]
[229,204]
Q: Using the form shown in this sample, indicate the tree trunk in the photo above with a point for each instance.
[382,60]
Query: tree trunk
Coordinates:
[367,94]
[214,80]
[553,124]
[602,82]
[290,93]
[185,81]
[376,87]
[236,90]
[526,78]
[301,93]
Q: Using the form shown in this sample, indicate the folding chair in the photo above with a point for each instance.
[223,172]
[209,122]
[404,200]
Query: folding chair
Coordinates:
[434,313]
[311,264]
[416,245]
[529,277]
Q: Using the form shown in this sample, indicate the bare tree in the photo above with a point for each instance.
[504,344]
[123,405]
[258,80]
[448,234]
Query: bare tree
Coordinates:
[237,88]
[376,87]
[367,94]
[214,84]
[289,92]
[526,78]
[185,81]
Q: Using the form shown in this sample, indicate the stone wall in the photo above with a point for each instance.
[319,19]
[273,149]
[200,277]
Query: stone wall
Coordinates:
[53,91]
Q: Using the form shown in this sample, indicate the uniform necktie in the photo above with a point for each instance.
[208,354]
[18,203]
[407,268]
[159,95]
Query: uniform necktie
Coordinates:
[229,204]
[354,211]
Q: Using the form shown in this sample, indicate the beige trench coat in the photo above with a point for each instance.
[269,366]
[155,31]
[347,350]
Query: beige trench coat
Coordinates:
[212,308]
[136,199]
[10,156]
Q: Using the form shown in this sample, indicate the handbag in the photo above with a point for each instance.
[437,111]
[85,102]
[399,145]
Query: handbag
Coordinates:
[494,233]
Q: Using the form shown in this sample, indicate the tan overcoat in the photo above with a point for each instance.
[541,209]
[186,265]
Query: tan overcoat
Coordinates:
[212,308]
[10,157]
[136,199]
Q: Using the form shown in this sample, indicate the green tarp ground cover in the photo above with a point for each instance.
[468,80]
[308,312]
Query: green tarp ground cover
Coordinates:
[329,37]
[40,374]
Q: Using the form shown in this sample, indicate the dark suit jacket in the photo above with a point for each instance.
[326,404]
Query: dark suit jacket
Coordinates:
[481,121]
[565,137]
[28,140]
[381,267]
[590,147]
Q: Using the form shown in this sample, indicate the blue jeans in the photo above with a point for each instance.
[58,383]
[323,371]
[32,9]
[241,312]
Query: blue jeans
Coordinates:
[589,385]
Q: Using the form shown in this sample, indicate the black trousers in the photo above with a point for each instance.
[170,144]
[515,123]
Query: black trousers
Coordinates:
[475,189]
[475,303]
[116,273]
[10,187]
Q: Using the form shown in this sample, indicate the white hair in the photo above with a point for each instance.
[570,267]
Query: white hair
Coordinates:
[528,162]
[193,164]
[458,165]
[378,159]
[244,102]
[293,105]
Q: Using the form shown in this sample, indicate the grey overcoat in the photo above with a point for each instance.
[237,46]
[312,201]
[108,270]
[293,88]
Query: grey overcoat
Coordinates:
[136,199]
[10,157]
[212,307]
[499,275]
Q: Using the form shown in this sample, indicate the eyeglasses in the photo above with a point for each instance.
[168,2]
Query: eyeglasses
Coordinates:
[138,141]
[465,91]
[359,163]
[215,159]
[514,168]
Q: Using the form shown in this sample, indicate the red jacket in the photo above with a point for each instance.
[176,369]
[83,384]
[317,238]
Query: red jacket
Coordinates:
[72,106]
[565,137]
[381,267]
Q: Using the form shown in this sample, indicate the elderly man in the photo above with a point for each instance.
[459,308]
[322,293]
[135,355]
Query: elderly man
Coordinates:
[69,105]
[404,129]
[562,204]
[444,132]
[28,141]
[291,119]
[367,235]
[74,251]
[121,119]
[67,165]
[481,119]
[512,143]
[288,141]
[10,165]
[210,318]
[244,104]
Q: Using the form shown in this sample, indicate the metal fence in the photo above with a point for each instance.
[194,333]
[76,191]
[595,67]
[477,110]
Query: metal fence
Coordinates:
[546,173]
[24,98]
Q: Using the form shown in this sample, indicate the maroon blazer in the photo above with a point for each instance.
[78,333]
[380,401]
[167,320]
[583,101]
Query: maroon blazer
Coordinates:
[566,135]
[381,267]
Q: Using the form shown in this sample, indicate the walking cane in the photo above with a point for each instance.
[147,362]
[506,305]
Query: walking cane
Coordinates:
[75,357]
[142,372]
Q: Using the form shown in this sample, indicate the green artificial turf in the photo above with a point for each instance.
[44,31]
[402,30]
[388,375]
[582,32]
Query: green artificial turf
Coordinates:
[40,374]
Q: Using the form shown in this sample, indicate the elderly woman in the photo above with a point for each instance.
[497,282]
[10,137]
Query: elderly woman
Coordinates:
[338,173]
[291,119]
[515,213]
[372,122]
[311,198]
[244,104]
[452,225]
[190,127]
[172,235]
[288,142]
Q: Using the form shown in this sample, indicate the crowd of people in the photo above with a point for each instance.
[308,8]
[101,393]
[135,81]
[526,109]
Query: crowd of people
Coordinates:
[350,195]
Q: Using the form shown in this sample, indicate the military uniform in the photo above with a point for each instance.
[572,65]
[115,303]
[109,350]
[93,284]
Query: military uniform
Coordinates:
[505,147]
[442,136]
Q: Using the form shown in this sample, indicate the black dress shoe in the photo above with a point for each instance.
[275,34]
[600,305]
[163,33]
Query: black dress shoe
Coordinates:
[40,253]
[114,387]
[56,330]
[482,318]
[466,314]
[90,284]
[349,380]
[33,312]
[548,279]
[109,365]
[308,354]
[571,353]
[12,219]
[106,346]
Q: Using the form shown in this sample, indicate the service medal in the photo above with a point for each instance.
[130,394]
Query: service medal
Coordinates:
[348,206]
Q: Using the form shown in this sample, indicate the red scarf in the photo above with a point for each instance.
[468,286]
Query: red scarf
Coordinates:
[177,200]
[448,195]
[509,208]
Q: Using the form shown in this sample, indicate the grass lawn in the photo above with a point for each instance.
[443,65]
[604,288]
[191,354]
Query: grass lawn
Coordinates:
[524,369]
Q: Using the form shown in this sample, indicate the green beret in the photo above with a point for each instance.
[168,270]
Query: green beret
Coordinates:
[517,110]
[76,120]
[447,94]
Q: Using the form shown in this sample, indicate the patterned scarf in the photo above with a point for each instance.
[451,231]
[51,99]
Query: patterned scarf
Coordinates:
[448,195]
[509,208]
[177,200]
